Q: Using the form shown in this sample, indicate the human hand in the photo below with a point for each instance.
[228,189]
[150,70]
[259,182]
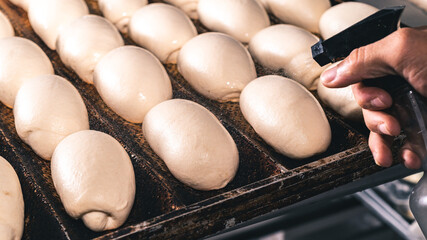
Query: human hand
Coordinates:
[403,53]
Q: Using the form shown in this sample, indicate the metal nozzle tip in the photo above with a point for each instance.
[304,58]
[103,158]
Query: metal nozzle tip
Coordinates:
[319,54]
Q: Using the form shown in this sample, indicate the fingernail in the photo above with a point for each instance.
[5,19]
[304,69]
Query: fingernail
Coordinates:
[374,154]
[377,102]
[329,75]
[377,163]
[383,129]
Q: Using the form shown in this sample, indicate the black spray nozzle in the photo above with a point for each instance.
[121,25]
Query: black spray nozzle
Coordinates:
[368,30]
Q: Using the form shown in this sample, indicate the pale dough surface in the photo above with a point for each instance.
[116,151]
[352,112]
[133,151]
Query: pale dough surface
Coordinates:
[131,81]
[49,17]
[302,13]
[195,146]
[342,16]
[47,109]
[11,203]
[84,42]
[287,47]
[6,29]
[20,60]
[119,12]
[188,6]
[162,29]
[94,178]
[341,100]
[286,115]
[216,65]
[237,18]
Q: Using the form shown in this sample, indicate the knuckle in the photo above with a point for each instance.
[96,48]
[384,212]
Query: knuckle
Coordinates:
[358,55]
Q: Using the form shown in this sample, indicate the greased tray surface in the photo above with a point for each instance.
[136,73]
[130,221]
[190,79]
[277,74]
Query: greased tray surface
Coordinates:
[164,207]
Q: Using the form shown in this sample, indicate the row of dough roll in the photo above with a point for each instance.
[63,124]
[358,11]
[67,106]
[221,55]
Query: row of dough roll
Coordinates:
[131,91]
[210,82]
[152,22]
[48,111]
[297,62]
[93,48]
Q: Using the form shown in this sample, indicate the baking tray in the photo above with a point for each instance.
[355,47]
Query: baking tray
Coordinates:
[164,208]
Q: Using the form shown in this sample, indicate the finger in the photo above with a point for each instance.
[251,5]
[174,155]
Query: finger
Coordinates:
[381,123]
[410,159]
[401,53]
[380,146]
[371,98]
[362,63]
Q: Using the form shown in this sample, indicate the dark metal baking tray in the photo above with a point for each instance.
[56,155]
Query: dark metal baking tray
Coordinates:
[164,208]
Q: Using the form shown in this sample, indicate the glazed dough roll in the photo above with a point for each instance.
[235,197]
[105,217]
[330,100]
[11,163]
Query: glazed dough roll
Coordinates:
[47,109]
[20,59]
[84,42]
[162,29]
[188,6]
[22,3]
[341,100]
[196,148]
[49,17]
[342,16]
[131,81]
[302,13]
[119,12]
[240,19]
[217,66]
[6,29]
[11,203]
[286,115]
[94,178]
[287,47]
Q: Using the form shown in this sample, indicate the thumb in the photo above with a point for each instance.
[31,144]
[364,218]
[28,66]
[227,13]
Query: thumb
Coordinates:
[403,53]
[362,63]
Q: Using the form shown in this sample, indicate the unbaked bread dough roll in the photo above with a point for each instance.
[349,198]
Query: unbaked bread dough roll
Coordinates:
[342,16]
[240,19]
[11,203]
[20,59]
[131,81]
[6,29]
[94,178]
[286,115]
[119,12]
[22,3]
[49,17]
[217,66]
[84,42]
[162,29]
[195,146]
[188,6]
[302,13]
[47,109]
[287,47]
[341,100]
